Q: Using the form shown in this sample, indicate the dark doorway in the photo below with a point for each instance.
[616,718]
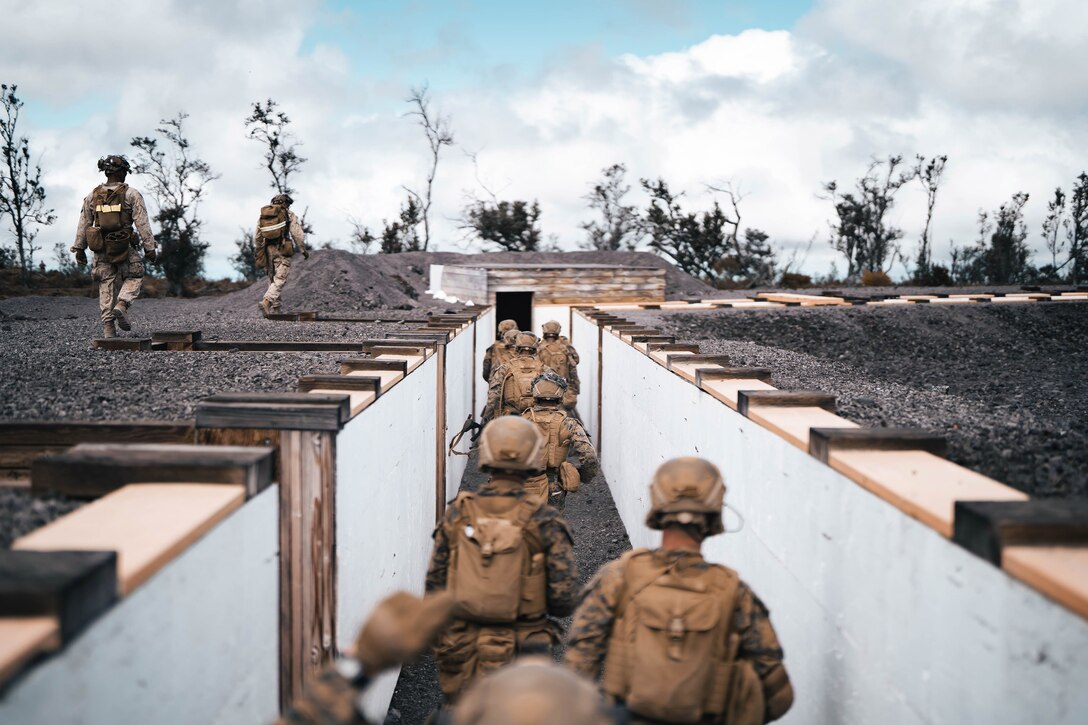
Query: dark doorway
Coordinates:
[516,306]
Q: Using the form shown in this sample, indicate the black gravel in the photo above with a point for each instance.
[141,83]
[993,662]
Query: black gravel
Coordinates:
[599,537]
[1007,384]
[21,512]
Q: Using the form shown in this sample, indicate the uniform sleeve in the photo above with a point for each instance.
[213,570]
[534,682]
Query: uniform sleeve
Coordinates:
[759,645]
[572,352]
[140,220]
[579,441]
[298,235]
[438,568]
[85,216]
[486,367]
[561,566]
[587,640]
[572,371]
[494,393]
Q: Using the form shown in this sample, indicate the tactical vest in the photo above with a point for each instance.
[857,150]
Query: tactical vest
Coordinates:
[497,570]
[550,423]
[553,353]
[672,655]
[517,388]
[501,354]
[111,232]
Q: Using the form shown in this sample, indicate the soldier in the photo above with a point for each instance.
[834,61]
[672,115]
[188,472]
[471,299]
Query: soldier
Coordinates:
[278,234]
[492,352]
[557,353]
[682,640]
[507,559]
[106,224]
[510,390]
[562,431]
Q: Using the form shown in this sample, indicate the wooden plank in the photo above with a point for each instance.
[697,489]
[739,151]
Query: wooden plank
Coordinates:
[70,587]
[294,411]
[724,373]
[822,441]
[785,398]
[386,378]
[148,525]
[727,390]
[397,345]
[794,423]
[276,346]
[690,359]
[1059,572]
[176,336]
[90,470]
[56,433]
[360,400]
[920,484]
[24,639]
[412,361]
[438,337]
[368,364]
[653,338]
[361,383]
[986,528]
[123,343]
[672,347]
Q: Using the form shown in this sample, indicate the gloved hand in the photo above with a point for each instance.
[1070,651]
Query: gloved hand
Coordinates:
[81,257]
[305,254]
[400,628]
[151,255]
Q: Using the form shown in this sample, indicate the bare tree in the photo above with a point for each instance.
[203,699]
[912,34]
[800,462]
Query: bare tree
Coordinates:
[929,173]
[244,260]
[619,226]
[436,128]
[22,196]
[1052,225]
[1077,230]
[268,126]
[178,179]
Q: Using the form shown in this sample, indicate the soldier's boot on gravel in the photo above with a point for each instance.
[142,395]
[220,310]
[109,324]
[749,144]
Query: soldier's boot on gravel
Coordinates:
[108,330]
[266,308]
[120,315]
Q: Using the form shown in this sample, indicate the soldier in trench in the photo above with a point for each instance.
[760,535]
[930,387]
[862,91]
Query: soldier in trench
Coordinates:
[680,639]
[497,353]
[556,352]
[279,234]
[510,390]
[562,432]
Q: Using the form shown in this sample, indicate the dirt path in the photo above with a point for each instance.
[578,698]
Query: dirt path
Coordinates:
[599,537]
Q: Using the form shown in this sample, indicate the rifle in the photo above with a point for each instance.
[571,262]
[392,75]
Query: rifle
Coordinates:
[470,426]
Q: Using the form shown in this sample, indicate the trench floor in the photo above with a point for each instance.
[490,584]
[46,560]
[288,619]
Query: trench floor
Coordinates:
[599,537]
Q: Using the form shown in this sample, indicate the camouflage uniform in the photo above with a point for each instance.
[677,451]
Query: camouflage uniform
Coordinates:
[280,262]
[494,357]
[502,399]
[330,698]
[587,642]
[560,355]
[118,284]
[467,649]
[570,434]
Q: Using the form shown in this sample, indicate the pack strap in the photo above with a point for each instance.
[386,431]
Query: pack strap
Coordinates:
[629,591]
[274,227]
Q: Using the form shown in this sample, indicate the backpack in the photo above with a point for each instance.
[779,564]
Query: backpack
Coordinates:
[110,233]
[553,353]
[517,390]
[672,655]
[550,423]
[496,571]
[273,223]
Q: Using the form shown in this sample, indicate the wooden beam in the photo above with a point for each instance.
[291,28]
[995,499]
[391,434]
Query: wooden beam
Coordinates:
[660,338]
[986,528]
[724,373]
[275,346]
[822,441]
[90,470]
[747,399]
[123,343]
[367,364]
[364,383]
[668,347]
[74,587]
[435,336]
[671,360]
[282,411]
[175,339]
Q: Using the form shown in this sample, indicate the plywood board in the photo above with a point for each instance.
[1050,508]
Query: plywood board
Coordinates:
[388,377]
[726,390]
[413,361]
[147,524]
[24,638]
[1060,572]
[793,423]
[360,399]
[920,484]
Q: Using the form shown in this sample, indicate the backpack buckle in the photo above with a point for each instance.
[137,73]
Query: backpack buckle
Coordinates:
[675,633]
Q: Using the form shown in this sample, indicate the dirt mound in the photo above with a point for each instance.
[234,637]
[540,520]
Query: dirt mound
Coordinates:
[335,280]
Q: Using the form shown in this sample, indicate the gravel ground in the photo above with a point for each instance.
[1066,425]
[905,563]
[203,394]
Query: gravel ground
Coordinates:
[21,512]
[599,537]
[1007,384]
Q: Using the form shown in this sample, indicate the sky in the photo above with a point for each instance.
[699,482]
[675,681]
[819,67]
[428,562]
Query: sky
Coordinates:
[775,98]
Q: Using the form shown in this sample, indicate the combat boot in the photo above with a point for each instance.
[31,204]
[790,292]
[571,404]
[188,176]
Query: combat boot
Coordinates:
[266,308]
[120,315]
[108,330]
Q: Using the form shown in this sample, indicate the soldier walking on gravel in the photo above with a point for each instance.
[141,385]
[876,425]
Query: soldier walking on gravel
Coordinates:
[495,354]
[507,559]
[279,233]
[510,389]
[562,432]
[682,640]
[113,224]
[557,353]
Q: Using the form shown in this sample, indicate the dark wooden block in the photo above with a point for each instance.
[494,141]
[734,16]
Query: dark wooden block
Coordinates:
[282,316]
[397,346]
[821,441]
[175,336]
[363,383]
[784,398]
[90,470]
[668,347]
[123,343]
[365,364]
[73,586]
[702,374]
[275,346]
[652,338]
[722,360]
[53,433]
[274,411]
[985,528]
[438,337]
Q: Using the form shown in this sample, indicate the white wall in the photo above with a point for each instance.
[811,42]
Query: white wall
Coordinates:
[385,506]
[198,643]
[460,372]
[485,338]
[882,619]
[584,337]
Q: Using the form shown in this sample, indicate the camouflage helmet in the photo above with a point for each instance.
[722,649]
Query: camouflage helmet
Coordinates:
[551,328]
[525,341]
[532,691]
[510,337]
[687,490]
[513,444]
[549,386]
[506,325]
[114,164]
[284,199]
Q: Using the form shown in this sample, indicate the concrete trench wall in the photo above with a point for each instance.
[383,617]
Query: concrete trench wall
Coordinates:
[882,619]
[198,642]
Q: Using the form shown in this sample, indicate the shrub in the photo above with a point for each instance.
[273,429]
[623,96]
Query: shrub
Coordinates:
[875,278]
[792,280]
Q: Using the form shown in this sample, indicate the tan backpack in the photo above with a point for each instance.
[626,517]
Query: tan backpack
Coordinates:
[550,423]
[273,223]
[553,353]
[110,233]
[672,655]
[517,388]
[496,572]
